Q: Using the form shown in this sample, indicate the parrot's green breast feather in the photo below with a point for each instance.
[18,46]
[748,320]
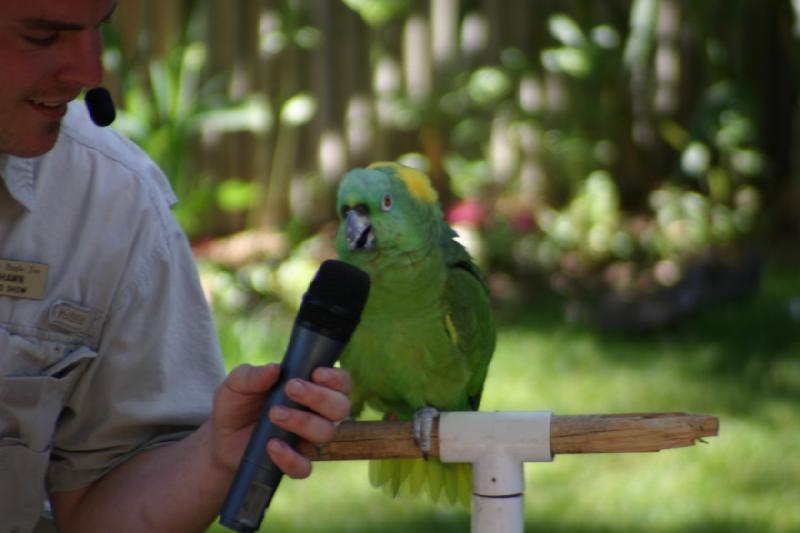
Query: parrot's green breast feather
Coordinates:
[427,333]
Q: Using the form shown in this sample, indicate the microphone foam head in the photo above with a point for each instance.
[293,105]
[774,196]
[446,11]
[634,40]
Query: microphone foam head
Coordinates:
[100,105]
[335,299]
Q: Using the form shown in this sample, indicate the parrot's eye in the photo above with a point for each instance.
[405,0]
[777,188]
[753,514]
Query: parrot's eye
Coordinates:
[386,203]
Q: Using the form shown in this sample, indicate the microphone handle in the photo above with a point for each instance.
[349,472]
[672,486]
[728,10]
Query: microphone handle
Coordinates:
[258,478]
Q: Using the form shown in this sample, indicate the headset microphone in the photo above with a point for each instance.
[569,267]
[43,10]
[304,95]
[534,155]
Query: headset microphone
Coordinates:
[100,105]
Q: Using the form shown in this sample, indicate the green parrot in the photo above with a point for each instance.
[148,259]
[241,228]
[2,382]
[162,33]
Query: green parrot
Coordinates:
[427,332]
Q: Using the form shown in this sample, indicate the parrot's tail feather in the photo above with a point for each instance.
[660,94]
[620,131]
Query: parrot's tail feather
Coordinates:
[376,478]
[416,478]
[399,472]
[411,476]
[435,474]
[465,486]
[389,474]
[451,484]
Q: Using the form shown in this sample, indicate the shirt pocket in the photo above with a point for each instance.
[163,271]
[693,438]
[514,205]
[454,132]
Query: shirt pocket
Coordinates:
[22,472]
[38,375]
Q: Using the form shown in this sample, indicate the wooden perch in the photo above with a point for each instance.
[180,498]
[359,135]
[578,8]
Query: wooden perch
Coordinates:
[624,433]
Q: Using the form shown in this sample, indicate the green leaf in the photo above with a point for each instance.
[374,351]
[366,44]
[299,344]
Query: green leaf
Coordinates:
[566,30]
[299,110]
[237,195]
[378,12]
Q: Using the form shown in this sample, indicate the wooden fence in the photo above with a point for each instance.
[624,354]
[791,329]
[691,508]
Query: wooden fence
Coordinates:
[380,91]
[367,108]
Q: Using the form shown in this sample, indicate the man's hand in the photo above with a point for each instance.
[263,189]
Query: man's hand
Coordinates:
[239,400]
[181,486]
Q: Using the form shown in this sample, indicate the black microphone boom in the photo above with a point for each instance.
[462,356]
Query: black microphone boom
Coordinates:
[328,315]
[100,105]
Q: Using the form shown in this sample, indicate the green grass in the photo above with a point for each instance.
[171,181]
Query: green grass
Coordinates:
[739,362]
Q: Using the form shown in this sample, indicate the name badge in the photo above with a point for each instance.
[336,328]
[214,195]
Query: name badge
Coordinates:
[20,279]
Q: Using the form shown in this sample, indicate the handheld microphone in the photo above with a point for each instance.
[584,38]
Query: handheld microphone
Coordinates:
[100,105]
[329,313]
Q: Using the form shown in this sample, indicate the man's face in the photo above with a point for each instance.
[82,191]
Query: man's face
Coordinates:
[49,51]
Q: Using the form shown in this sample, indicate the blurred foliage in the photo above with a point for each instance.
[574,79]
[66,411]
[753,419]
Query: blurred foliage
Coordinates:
[380,12]
[169,104]
[601,146]
[737,362]
[585,221]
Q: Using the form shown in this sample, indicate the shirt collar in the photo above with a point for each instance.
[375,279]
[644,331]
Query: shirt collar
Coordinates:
[18,175]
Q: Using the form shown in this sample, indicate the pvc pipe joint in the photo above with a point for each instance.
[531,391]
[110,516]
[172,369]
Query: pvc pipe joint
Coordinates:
[497,444]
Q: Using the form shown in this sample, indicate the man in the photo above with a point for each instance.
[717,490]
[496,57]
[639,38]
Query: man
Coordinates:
[108,359]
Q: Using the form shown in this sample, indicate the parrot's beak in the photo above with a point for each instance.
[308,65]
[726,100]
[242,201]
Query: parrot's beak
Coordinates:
[359,232]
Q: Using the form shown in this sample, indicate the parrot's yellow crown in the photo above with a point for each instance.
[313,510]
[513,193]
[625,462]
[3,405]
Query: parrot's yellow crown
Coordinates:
[417,183]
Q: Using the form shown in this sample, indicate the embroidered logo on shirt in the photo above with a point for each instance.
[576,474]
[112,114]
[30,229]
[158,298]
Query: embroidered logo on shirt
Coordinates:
[20,279]
[73,317]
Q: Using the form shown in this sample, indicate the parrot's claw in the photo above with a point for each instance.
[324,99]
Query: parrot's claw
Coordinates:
[348,418]
[423,427]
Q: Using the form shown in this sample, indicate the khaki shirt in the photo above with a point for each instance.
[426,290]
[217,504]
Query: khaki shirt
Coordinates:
[106,343]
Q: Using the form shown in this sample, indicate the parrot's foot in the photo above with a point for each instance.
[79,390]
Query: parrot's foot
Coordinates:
[423,427]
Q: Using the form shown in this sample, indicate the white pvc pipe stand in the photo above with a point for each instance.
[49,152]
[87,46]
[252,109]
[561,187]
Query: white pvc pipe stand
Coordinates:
[497,444]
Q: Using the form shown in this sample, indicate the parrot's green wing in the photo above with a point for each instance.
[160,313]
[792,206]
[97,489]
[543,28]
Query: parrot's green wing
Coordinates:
[469,315]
